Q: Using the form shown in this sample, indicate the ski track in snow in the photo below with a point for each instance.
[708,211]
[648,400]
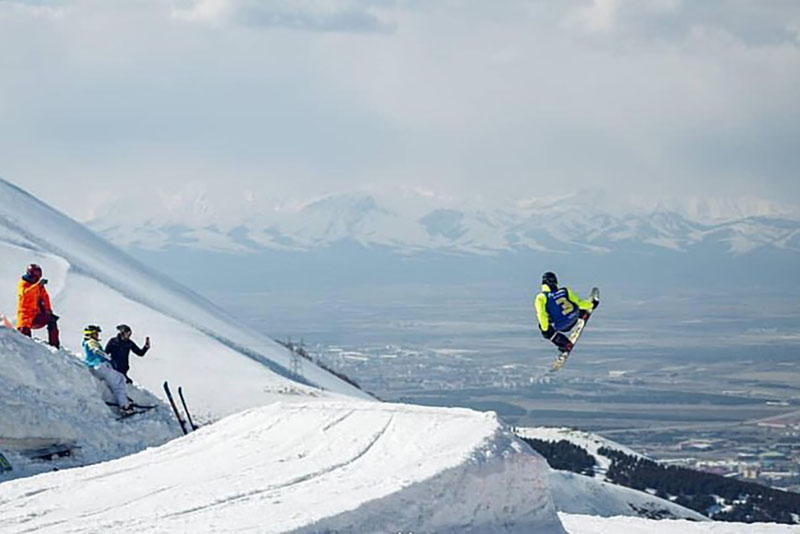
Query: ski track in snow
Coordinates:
[318,466]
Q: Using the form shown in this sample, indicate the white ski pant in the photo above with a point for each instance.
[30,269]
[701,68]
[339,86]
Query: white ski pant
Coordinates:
[115,381]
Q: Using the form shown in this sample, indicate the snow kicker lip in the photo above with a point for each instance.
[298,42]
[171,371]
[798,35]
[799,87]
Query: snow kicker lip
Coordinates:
[311,466]
[502,493]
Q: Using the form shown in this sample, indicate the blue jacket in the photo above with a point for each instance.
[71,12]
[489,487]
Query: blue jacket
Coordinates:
[93,353]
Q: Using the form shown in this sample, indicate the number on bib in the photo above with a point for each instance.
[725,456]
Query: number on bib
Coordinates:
[566,305]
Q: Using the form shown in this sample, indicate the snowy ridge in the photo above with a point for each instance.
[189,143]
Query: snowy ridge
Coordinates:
[225,366]
[409,223]
[581,524]
[331,467]
[579,494]
[591,443]
[49,396]
[598,497]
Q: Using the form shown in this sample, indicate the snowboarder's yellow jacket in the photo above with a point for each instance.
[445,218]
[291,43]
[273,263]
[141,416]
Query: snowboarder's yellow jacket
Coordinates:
[541,305]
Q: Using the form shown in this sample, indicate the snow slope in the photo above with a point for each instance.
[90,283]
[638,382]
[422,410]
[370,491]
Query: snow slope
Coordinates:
[579,494]
[310,467]
[598,497]
[223,366]
[591,443]
[364,467]
[49,397]
[582,524]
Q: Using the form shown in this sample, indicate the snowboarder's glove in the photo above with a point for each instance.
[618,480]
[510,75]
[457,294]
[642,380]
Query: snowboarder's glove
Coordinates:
[595,304]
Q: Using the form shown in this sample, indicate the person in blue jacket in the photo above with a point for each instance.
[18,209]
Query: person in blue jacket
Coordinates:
[100,366]
[558,310]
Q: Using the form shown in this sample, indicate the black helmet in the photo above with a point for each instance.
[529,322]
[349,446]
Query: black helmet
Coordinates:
[123,329]
[550,279]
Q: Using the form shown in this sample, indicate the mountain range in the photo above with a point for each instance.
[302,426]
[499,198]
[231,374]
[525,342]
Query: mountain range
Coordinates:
[588,222]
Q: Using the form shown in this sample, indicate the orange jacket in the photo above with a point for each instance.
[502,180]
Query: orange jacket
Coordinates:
[32,299]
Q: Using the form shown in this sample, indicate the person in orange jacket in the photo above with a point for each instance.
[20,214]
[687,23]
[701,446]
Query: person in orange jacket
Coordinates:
[33,305]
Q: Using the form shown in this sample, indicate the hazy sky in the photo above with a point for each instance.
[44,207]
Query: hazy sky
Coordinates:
[499,99]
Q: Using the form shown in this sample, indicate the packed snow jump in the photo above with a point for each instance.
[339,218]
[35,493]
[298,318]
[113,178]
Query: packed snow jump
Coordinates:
[562,315]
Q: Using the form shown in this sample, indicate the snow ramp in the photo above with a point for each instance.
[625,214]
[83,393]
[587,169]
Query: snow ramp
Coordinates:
[302,468]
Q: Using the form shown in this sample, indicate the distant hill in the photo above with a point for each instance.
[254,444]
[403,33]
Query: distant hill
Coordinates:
[717,497]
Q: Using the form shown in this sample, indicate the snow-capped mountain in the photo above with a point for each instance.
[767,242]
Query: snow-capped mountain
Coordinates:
[409,222]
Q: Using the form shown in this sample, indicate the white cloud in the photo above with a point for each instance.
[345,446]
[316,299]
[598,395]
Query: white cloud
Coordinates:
[468,98]
[599,16]
[310,15]
[35,8]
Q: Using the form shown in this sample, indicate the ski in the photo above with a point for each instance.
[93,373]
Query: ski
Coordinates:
[135,405]
[561,359]
[136,411]
[186,409]
[175,408]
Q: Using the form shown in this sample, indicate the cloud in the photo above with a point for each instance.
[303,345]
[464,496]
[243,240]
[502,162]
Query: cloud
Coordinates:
[471,98]
[599,16]
[37,8]
[348,16]
[752,23]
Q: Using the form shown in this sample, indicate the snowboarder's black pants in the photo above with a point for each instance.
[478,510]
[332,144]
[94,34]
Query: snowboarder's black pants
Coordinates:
[559,339]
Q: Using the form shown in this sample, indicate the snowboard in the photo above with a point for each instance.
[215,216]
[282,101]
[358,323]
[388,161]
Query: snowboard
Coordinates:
[561,359]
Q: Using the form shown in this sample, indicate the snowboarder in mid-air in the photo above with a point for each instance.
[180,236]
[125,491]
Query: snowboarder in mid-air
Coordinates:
[559,310]
[33,305]
[119,348]
[100,366]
